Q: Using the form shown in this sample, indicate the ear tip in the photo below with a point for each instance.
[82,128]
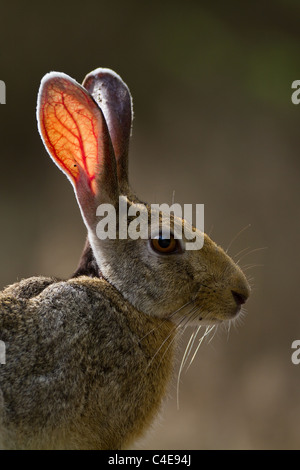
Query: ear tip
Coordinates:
[59,81]
[112,87]
[55,77]
[104,74]
[47,80]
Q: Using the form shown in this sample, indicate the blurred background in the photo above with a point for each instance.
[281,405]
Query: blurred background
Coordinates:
[214,121]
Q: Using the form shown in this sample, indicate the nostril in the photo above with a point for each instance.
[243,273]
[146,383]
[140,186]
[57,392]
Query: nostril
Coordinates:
[239,298]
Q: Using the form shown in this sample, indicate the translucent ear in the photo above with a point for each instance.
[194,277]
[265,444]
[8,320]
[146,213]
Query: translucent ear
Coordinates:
[113,97]
[75,134]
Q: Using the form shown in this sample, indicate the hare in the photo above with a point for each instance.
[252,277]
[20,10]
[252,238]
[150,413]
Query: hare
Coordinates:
[89,359]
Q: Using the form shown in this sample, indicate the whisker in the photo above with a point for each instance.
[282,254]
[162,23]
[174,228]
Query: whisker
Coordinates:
[229,329]
[214,333]
[181,366]
[206,333]
[168,336]
[187,350]
[193,317]
[239,319]
[251,266]
[181,331]
[237,235]
[190,345]
[240,252]
[167,318]
[162,344]
[180,308]
[181,326]
[252,251]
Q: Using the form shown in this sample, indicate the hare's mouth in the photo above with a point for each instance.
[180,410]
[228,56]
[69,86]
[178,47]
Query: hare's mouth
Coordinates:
[203,310]
[221,316]
[228,318]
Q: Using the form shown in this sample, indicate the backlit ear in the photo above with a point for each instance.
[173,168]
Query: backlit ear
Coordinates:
[75,133]
[113,97]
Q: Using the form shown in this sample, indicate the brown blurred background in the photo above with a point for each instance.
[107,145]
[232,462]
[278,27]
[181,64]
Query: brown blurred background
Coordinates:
[214,121]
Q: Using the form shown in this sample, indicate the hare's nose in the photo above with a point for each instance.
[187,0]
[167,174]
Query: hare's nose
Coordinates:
[239,298]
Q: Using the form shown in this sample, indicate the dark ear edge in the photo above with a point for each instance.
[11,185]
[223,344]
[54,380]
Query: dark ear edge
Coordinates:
[113,97]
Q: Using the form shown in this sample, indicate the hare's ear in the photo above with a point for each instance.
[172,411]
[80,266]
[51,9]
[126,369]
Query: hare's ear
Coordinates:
[113,97]
[75,133]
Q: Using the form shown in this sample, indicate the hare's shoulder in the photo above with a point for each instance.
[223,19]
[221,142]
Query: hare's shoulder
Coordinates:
[27,288]
[38,288]
[14,300]
[58,321]
[39,299]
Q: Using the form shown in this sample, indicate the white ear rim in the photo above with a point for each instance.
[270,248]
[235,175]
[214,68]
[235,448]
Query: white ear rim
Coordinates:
[46,78]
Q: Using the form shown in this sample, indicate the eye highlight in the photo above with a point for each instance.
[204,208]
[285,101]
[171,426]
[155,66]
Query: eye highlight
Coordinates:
[165,245]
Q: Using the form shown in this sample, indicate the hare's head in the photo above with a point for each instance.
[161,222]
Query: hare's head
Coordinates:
[86,130]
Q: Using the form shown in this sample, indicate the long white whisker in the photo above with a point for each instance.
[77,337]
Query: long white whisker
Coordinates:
[228,329]
[182,325]
[180,308]
[213,335]
[181,366]
[172,330]
[207,331]
[237,235]
[195,333]
[167,348]
[187,351]
[162,344]
[240,252]
[252,251]
[251,266]
[167,318]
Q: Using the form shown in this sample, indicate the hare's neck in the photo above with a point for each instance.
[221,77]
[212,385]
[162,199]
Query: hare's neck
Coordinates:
[157,339]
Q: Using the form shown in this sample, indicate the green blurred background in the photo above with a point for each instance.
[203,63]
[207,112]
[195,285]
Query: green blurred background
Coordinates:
[214,121]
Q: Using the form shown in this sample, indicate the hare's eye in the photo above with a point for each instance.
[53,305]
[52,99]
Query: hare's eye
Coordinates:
[165,245]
